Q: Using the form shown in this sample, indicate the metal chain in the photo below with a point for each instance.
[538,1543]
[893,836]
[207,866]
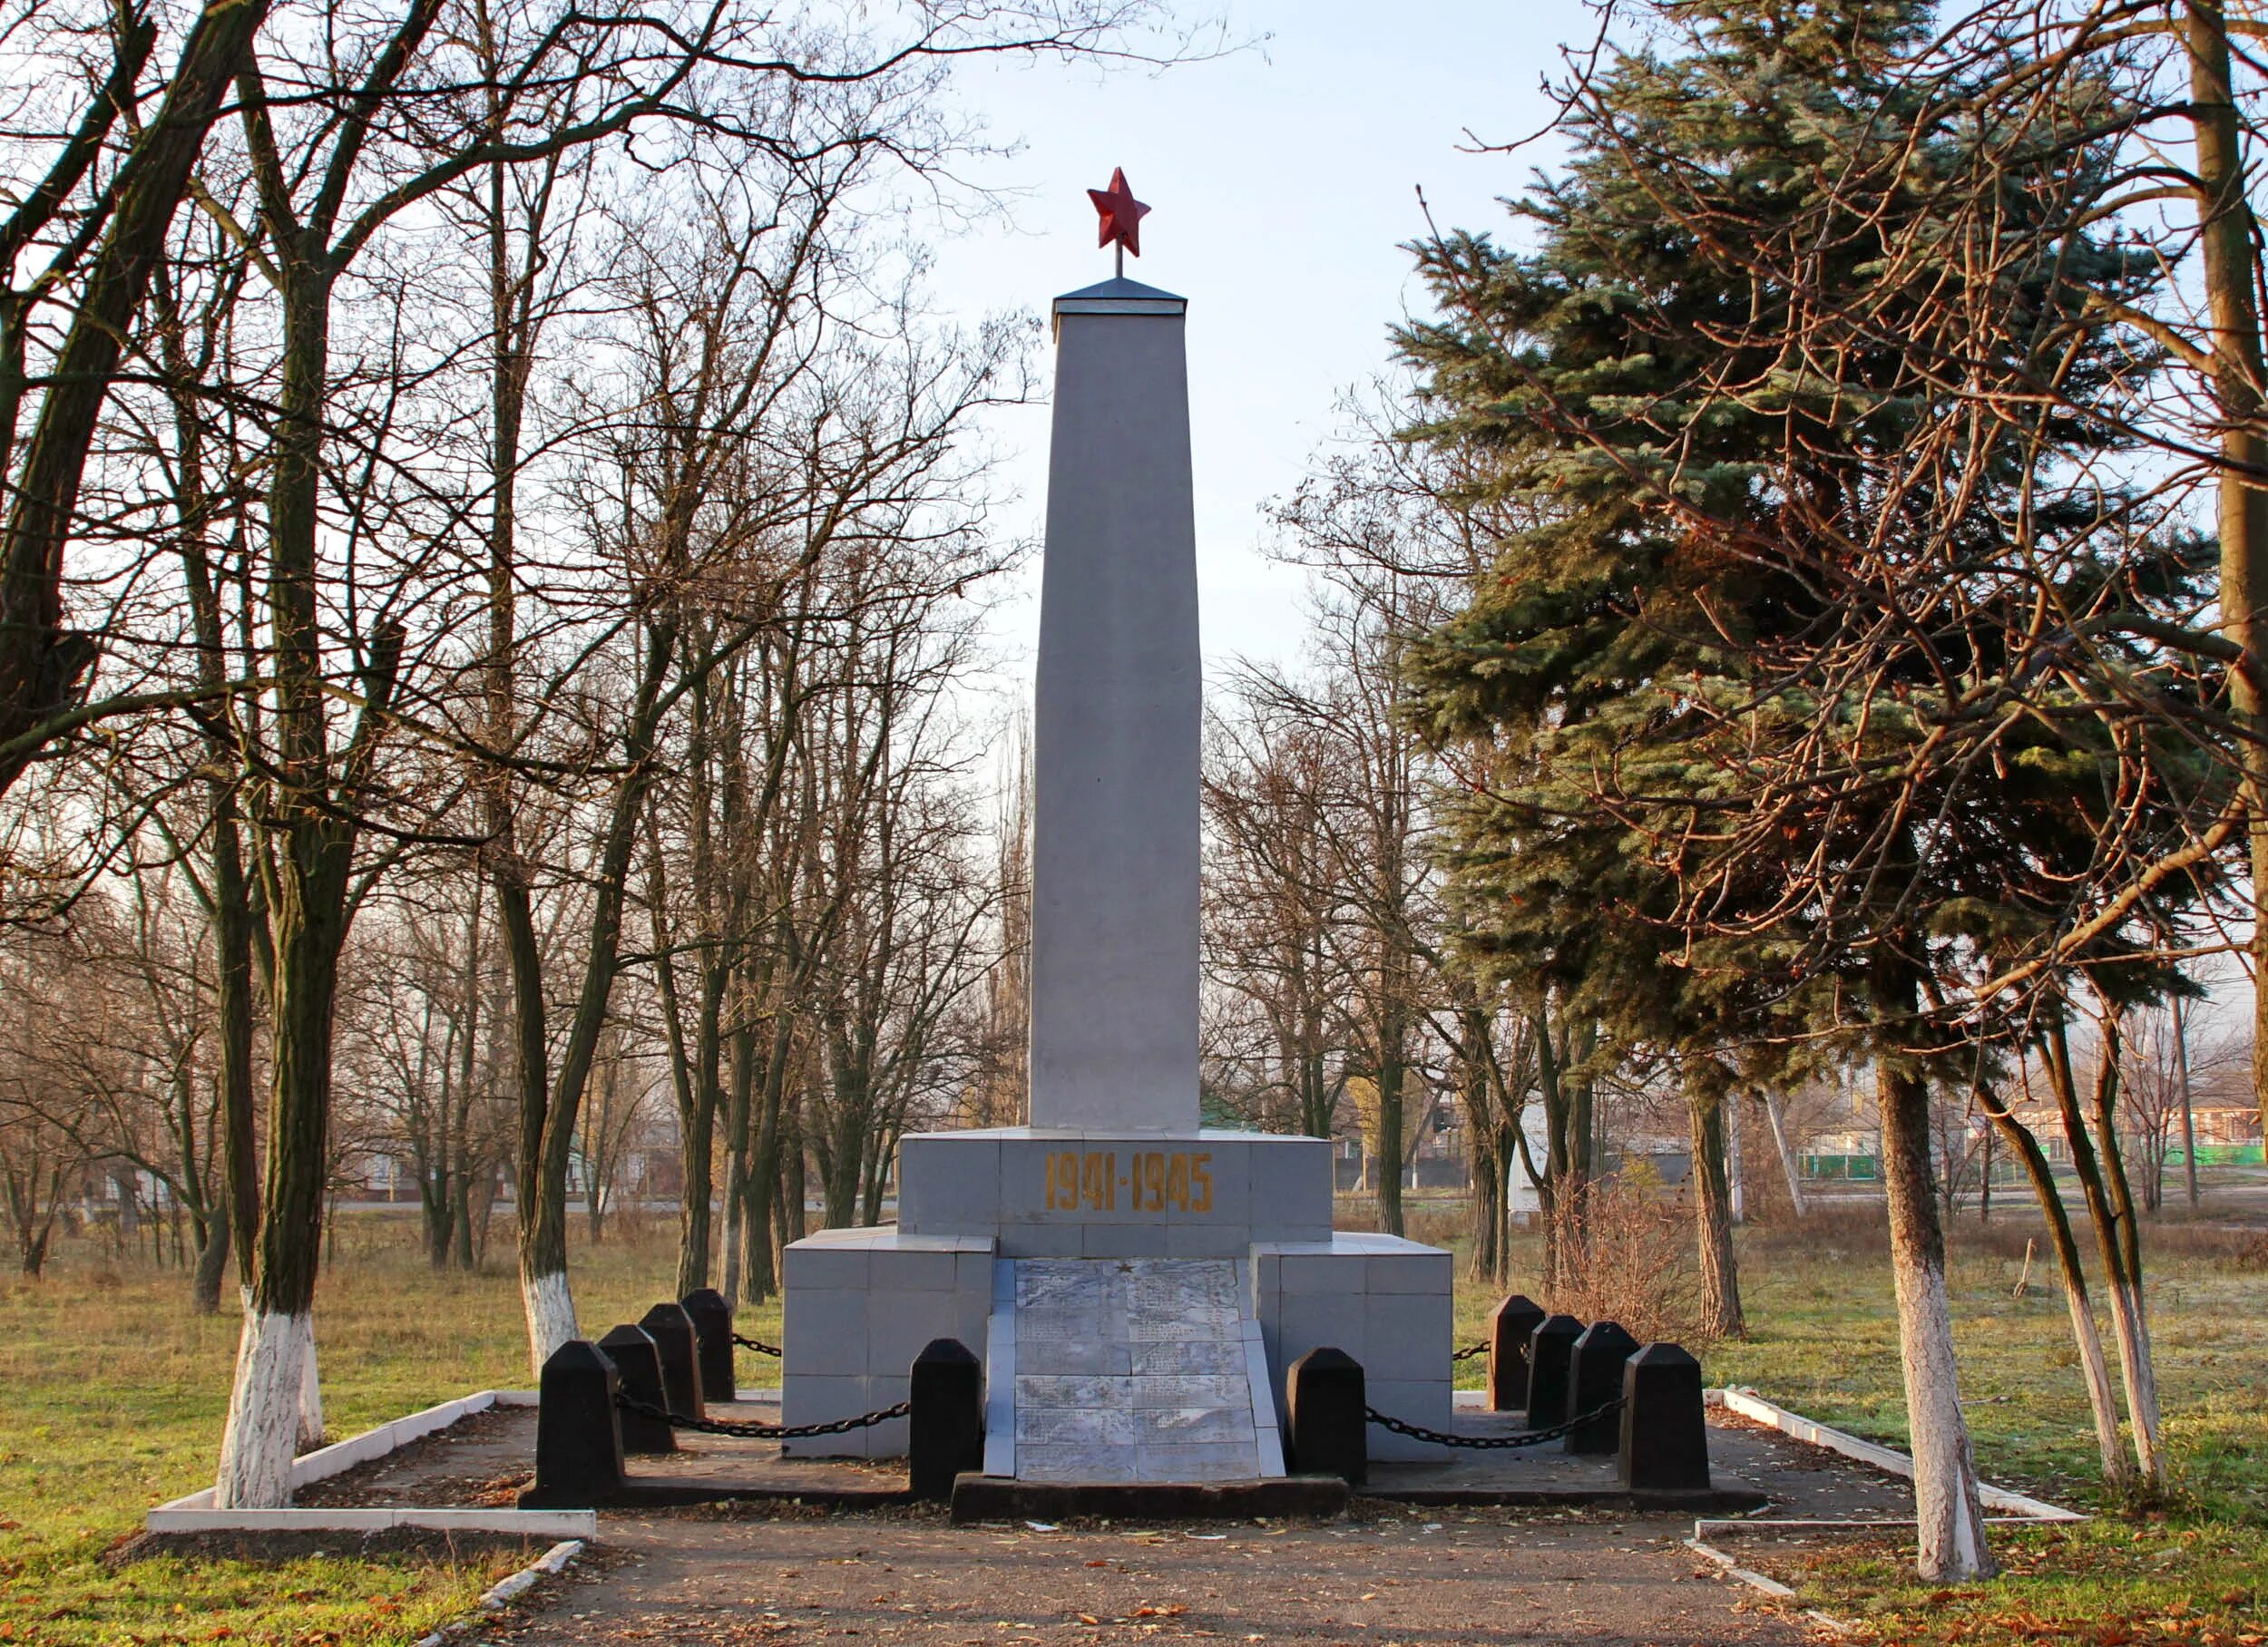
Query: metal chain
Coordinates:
[759,1345]
[1527,1437]
[760,1432]
[1470,1350]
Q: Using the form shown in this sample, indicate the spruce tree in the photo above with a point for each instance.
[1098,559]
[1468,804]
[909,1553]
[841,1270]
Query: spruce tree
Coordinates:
[1753,773]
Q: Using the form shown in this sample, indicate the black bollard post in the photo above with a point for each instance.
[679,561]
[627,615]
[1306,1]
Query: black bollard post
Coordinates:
[1664,1430]
[1549,1348]
[1594,1378]
[1330,1417]
[944,1433]
[638,1364]
[1509,1330]
[712,1331]
[671,1330]
[578,1429]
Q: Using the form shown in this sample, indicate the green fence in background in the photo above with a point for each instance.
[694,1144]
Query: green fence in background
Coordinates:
[1860,1169]
[1863,1169]
[2220,1154]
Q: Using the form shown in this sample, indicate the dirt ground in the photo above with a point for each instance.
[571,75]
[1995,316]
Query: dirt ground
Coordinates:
[1385,1574]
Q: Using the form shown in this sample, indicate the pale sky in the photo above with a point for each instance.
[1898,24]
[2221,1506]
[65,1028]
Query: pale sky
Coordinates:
[1283,184]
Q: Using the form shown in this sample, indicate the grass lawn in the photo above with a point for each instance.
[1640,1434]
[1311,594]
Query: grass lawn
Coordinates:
[115,1398]
[2195,1570]
[117,1393]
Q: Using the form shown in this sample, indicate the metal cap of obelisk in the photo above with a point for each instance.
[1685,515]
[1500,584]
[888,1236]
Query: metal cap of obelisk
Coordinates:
[1116,729]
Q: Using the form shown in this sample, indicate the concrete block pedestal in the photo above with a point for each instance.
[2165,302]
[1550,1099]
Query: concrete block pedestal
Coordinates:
[862,1303]
[858,1306]
[1381,1300]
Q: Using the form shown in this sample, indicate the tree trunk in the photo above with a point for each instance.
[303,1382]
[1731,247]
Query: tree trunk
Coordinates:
[701,1167]
[550,1109]
[2102,1180]
[738,1120]
[795,1186]
[306,868]
[2129,1311]
[1950,1515]
[2229,268]
[1392,1072]
[212,1263]
[2088,1341]
[2189,1114]
[760,1214]
[842,1145]
[456,1162]
[1487,1214]
[1721,1315]
[546,1300]
[310,1396]
[1556,1210]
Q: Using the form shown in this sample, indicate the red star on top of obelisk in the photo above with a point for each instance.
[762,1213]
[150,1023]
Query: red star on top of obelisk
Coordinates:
[1122,216]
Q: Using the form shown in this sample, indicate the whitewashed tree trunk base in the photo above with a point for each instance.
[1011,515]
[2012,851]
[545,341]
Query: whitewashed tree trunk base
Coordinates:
[311,1394]
[2132,1326]
[259,1442]
[1947,1508]
[551,1310]
[2094,1372]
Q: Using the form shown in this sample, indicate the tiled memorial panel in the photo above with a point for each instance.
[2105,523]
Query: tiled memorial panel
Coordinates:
[1133,1369]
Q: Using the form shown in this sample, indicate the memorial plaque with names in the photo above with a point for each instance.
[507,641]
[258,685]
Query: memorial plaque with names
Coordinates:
[1037,1329]
[1191,1321]
[1071,1284]
[1208,1357]
[1075,1426]
[1073,1389]
[1192,1391]
[1132,1369]
[1184,1426]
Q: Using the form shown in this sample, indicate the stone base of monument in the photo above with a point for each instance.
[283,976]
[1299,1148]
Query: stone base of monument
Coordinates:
[1136,1297]
[995,1498]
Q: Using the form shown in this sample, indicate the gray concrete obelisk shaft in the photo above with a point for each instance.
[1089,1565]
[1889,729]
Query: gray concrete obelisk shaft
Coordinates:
[1114,873]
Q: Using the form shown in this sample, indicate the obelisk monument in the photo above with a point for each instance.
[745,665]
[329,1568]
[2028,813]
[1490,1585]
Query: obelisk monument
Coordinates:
[1114,852]
[1135,1282]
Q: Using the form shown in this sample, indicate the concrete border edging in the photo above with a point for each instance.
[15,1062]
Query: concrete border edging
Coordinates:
[506,1590]
[1755,1581]
[194,1512]
[1748,1404]
[2016,1507]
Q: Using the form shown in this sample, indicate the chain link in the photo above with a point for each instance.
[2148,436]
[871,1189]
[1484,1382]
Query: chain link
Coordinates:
[1526,1438]
[1470,1350]
[760,1432]
[759,1345]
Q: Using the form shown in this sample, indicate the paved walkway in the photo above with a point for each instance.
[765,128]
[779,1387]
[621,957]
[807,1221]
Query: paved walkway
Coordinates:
[1443,1577]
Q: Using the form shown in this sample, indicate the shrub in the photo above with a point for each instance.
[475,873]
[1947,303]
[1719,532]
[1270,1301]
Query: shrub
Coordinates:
[1629,1258]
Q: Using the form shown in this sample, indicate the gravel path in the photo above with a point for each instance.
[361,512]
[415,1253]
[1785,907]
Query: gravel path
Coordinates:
[1383,1575]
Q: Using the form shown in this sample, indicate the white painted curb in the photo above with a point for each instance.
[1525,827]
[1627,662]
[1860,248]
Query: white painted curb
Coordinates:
[500,1595]
[1748,1404]
[2015,1507]
[194,1512]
